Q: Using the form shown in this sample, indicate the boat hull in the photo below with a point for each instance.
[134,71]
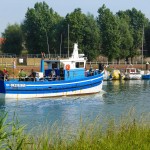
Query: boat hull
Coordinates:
[133,77]
[92,90]
[107,76]
[146,76]
[116,75]
[39,89]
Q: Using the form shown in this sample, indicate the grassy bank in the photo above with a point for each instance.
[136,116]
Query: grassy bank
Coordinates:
[128,134]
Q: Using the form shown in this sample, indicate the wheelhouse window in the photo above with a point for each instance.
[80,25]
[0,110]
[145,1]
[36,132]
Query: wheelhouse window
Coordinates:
[54,65]
[79,64]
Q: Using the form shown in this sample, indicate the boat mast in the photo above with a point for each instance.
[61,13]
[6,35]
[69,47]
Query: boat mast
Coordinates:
[68,40]
[60,44]
[142,44]
[47,45]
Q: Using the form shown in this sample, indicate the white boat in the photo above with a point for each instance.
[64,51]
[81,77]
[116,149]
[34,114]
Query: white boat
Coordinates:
[107,75]
[132,74]
[71,79]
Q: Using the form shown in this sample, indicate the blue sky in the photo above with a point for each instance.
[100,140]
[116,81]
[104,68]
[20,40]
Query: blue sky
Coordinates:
[13,11]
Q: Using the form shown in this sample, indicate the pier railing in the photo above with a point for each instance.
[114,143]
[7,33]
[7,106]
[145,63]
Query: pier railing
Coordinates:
[7,60]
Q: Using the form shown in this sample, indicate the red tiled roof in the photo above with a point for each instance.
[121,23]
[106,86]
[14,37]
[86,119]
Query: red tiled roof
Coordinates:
[1,40]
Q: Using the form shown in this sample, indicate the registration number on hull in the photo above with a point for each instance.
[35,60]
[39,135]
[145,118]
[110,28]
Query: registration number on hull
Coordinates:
[17,85]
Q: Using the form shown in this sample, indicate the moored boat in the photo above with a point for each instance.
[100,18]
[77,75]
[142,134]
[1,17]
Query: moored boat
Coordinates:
[107,75]
[117,75]
[146,76]
[70,78]
[132,74]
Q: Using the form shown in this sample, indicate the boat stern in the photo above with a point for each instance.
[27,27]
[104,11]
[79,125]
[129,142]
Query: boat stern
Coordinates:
[2,86]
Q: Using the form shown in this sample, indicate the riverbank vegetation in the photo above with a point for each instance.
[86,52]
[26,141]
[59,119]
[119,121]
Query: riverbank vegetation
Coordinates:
[115,36]
[129,133]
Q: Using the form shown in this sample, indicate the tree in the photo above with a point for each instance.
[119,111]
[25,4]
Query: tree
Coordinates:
[75,21]
[13,39]
[125,38]
[40,26]
[84,30]
[109,28]
[147,39]
[125,35]
[136,22]
[92,38]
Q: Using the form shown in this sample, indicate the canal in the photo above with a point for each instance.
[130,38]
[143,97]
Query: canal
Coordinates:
[117,99]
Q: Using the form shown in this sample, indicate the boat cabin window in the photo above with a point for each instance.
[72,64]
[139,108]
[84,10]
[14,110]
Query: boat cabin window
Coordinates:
[79,64]
[54,65]
[133,70]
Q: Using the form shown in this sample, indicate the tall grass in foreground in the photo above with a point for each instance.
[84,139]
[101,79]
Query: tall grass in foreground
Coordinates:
[11,134]
[129,134]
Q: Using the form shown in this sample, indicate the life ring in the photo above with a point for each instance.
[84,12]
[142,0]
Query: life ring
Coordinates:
[67,67]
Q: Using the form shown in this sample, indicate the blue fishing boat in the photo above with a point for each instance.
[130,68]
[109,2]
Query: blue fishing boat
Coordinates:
[61,77]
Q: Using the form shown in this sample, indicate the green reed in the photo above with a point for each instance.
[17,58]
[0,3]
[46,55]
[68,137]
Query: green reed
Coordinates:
[127,133]
[11,134]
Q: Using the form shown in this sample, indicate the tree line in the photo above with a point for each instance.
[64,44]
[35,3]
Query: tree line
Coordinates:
[117,36]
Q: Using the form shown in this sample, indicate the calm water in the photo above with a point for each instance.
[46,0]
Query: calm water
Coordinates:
[118,98]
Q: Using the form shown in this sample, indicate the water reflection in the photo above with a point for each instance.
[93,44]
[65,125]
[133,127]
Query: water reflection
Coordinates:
[2,102]
[2,105]
[65,110]
[121,96]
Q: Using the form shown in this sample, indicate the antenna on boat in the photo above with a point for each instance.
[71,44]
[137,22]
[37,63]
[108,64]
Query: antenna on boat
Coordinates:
[68,40]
